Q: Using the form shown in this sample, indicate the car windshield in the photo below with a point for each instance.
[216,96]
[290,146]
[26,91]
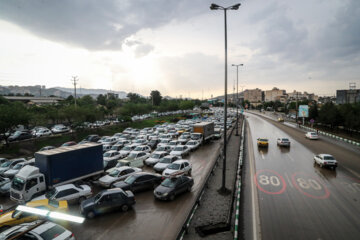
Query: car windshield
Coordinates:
[314,134]
[138,149]
[169,182]
[6,164]
[139,141]
[132,155]
[17,183]
[156,155]
[165,160]
[17,133]
[108,140]
[164,141]
[285,140]
[114,173]
[179,149]
[97,197]
[160,149]
[263,140]
[329,158]
[130,179]
[174,166]
[18,166]
[51,193]
[190,143]
[127,148]
[52,233]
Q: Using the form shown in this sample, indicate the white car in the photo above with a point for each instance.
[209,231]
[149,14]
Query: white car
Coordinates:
[164,142]
[126,150]
[117,174]
[283,142]
[45,231]
[325,160]
[197,137]
[177,168]
[123,142]
[106,147]
[72,193]
[192,144]
[142,148]
[111,155]
[109,141]
[180,150]
[139,142]
[312,135]
[165,162]
[155,158]
[183,139]
[135,159]
[102,139]
[163,149]
[43,132]
[173,144]
[60,129]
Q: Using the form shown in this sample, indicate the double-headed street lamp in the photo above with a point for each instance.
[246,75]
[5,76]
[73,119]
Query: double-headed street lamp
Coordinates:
[217,7]
[237,96]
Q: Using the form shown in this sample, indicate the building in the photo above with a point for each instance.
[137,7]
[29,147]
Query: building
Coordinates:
[275,94]
[35,100]
[347,96]
[253,95]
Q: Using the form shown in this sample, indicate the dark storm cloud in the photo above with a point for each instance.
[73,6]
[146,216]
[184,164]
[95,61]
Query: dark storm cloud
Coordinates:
[94,24]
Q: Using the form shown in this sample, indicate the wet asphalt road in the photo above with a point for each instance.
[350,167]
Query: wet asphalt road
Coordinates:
[296,199]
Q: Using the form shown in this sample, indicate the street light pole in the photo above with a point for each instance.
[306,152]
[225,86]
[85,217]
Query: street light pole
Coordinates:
[214,6]
[237,97]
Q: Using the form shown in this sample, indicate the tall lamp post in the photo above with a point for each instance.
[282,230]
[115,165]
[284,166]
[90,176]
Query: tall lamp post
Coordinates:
[214,6]
[237,96]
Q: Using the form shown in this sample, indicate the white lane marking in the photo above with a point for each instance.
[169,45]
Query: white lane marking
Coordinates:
[288,179]
[262,155]
[291,158]
[255,206]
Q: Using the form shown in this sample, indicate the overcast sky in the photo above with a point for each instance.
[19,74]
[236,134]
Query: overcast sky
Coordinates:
[177,46]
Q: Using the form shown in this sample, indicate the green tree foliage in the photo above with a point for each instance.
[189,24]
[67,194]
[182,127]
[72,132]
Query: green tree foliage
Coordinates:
[101,99]
[12,114]
[155,97]
[330,115]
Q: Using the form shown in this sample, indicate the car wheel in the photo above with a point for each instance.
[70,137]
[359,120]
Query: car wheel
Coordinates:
[172,197]
[189,189]
[124,208]
[90,215]
[81,199]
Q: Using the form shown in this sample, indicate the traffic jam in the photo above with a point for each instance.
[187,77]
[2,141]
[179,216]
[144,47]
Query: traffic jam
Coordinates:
[101,174]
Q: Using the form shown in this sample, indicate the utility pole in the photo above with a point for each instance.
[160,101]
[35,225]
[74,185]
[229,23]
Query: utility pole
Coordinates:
[74,80]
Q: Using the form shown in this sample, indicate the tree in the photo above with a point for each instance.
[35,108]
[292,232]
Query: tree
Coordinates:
[101,99]
[329,114]
[155,98]
[12,115]
[86,101]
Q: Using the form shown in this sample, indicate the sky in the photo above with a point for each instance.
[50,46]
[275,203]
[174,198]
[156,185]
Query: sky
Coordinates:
[177,46]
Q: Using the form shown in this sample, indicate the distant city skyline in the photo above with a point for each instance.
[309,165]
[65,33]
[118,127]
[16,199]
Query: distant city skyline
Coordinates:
[177,47]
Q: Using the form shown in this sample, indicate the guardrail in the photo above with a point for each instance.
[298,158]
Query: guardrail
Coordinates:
[332,135]
[187,222]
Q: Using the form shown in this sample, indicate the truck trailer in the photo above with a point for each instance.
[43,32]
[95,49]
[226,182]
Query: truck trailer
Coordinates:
[57,167]
[203,130]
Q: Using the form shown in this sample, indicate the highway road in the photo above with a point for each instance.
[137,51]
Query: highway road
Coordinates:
[296,199]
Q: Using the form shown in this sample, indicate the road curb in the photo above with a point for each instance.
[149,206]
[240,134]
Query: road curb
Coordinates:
[238,185]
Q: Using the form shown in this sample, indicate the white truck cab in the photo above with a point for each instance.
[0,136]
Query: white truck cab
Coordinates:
[27,184]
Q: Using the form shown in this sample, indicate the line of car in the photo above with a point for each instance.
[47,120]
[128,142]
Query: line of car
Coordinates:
[124,178]
[323,160]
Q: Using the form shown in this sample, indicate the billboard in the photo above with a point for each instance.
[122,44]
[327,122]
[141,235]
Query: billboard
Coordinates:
[303,111]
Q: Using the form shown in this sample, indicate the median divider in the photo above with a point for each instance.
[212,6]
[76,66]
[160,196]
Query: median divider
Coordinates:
[238,183]
[187,222]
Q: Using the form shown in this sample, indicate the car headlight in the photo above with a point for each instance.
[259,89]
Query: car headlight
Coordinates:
[165,194]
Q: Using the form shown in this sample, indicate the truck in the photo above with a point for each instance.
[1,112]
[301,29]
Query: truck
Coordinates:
[56,167]
[203,131]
